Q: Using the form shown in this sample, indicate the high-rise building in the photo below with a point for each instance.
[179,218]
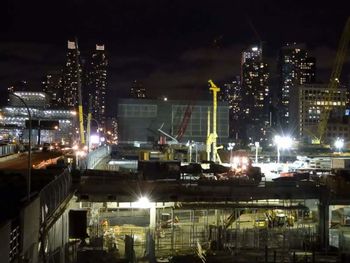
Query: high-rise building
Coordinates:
[296,68]
[232,94]
[308,71]
[309,103]
[71,72]
[255,95]
[96,72]
[52,86]
[137,90]
[254,53]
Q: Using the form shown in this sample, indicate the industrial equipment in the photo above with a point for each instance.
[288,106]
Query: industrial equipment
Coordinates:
[80,105]
[88,125]
[185,120]
[212,149]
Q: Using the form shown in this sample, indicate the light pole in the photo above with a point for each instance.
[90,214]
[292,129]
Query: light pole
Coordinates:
[257,144]
[29,143]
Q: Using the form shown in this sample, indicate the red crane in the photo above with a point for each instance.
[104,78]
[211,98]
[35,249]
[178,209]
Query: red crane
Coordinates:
[185,120]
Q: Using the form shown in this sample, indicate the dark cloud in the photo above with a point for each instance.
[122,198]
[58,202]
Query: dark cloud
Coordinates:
[27,61]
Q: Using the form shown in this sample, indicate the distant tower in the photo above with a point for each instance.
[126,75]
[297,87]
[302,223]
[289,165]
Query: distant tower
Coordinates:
[97,83]
[232,93]
[21,85]
[295,68]
[137,91]
[70,77]
[52,86]
[255,94]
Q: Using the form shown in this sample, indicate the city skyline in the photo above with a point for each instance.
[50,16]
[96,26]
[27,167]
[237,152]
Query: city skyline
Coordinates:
[214,50]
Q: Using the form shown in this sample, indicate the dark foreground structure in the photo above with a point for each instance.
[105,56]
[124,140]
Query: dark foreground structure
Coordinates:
[110,216]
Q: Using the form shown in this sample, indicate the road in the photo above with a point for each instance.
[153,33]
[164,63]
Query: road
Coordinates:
[21,161]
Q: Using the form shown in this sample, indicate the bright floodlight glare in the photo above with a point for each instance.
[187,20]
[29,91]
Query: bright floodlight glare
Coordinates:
[143,202]
[94,139]
[339,143]
[283,142]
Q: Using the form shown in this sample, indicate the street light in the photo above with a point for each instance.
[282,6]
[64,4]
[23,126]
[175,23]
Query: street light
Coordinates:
[282,142]
[30,145]
[230,148]
[339,144]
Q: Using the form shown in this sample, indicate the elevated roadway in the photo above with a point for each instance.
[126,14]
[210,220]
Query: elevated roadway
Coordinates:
[109,187]
[19,161]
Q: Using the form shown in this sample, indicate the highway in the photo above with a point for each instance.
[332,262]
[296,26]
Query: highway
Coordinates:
[20,161]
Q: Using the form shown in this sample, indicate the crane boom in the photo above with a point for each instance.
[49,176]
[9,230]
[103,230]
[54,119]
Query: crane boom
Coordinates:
[334,80]
[185,120]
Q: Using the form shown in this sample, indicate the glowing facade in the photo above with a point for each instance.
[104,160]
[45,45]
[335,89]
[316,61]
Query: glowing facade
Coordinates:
[309,102]
[296,68]
[96,74]
[70,77]
[255,94]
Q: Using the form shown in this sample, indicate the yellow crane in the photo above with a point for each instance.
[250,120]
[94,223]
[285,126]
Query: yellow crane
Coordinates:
[212,136]
[80,105]
[334,82]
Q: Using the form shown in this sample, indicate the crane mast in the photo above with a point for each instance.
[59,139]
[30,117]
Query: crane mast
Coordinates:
[334,80]
[80,105]
[88,124]
[212,138]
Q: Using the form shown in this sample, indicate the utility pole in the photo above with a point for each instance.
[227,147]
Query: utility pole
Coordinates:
[29,180]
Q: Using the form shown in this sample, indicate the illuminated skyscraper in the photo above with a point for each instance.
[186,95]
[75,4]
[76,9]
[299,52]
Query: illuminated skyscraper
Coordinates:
[137,90]
[232,94]
[295,68]
[70,77]
[97,83]
[254,53]
[255,94]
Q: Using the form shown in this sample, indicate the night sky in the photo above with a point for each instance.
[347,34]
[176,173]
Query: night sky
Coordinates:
[173,47]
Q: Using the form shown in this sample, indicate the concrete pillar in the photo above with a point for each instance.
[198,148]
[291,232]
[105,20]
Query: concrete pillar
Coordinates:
[172,230]
[5,235]
[324,224]
[152,217]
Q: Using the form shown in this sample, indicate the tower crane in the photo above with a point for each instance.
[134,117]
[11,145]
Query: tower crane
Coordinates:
[80,105]
[334,81]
